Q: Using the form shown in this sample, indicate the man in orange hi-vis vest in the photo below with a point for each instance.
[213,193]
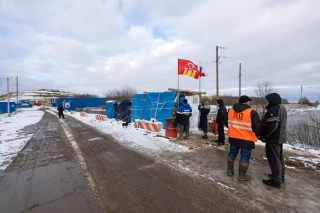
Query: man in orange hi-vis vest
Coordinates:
[243,131]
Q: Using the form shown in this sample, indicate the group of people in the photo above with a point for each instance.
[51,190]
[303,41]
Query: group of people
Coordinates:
[244,129]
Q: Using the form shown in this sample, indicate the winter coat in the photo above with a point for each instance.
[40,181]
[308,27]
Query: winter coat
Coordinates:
[60,109]
[204,111]
[222,115]
[255,124]
[183,113]
[274,122]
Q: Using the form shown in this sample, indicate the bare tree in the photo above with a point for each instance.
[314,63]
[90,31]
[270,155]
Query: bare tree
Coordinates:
[125,92]
[304,100]
[262,89]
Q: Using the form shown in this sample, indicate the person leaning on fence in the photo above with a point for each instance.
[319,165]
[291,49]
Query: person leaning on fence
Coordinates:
[274,134]
[243,130]
[60,110]
[183,114]
[204,109]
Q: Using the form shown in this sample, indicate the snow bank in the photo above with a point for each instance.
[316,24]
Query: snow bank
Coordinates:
[12,136]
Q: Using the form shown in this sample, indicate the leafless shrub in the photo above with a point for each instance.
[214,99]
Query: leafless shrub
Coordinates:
[306,132]
[304,100]
[262,89]
[125,92]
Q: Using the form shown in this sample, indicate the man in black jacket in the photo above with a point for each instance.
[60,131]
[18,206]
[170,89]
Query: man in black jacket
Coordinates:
[274,133]
[220,119]
[204,109]
[60,110]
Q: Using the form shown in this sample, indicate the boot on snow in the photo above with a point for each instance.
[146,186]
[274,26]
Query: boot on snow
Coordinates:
[180,137]
[283,179]
[187,136]
[205,137]
[272,183]
[242,173]
[230,171]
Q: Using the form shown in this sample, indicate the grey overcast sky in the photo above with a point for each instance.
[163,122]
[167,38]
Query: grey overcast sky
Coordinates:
[93,46]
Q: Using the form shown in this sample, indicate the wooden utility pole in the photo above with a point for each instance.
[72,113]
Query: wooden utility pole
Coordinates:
[239,80]
[217,73]
[8,96]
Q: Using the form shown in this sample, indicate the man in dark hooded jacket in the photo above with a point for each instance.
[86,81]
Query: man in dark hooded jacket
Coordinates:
[274,133]
[243,130]
[60,110]
[220,119]
[204,111]
[183,114]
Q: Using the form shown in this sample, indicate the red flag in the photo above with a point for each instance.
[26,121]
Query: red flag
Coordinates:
[186,67]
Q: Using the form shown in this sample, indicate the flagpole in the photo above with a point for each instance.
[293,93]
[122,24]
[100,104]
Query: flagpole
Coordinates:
[200,81]
[178,75]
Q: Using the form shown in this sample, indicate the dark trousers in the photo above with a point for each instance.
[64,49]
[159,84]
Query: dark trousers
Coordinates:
[61,114]
[221,136]
[274,153]
[184,128]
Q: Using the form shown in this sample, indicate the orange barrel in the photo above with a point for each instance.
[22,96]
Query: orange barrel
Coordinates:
[171,128]
[215,127]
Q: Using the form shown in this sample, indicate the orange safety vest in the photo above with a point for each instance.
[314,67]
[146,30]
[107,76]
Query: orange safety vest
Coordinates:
[239,125]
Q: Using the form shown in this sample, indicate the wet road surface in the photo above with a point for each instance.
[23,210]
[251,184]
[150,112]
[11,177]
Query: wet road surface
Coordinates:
[48,175]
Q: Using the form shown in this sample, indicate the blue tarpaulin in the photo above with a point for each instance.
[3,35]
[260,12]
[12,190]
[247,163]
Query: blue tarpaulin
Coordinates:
[110,109]
[156,105]
[122,111]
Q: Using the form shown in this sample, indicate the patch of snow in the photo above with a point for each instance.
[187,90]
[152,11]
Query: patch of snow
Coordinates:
[12,138]
[139,139]
[94,139]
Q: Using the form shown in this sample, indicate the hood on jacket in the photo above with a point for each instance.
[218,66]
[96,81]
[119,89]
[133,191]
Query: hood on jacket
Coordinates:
[220,102]
[274,99]
[239,107]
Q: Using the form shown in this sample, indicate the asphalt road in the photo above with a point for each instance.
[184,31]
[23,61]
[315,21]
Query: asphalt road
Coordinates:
[69,167]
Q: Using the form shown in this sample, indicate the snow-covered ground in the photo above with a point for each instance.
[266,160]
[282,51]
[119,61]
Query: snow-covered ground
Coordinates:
[13,138]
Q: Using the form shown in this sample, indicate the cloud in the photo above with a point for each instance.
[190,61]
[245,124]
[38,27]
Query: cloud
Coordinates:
[92,47]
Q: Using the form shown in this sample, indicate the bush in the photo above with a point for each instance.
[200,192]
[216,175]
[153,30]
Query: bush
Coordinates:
[306,132]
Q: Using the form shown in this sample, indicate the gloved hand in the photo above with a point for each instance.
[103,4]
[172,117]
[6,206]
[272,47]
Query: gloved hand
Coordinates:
[262,139]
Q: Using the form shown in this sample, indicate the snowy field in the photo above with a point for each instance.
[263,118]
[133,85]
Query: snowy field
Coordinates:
[13,137]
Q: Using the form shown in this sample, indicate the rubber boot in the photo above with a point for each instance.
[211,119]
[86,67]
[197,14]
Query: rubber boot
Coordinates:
[230,171]
[180,137]
[187,136]
[242,173]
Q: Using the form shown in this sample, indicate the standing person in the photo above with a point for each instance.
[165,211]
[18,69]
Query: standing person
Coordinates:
[204,109]
[220,119]
[274,133]
[183,114]
[60,109]
[243,131]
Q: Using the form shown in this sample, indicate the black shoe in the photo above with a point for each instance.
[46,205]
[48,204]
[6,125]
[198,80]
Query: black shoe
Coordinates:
[272,183]
[270,176]
[205,137]
[221,144]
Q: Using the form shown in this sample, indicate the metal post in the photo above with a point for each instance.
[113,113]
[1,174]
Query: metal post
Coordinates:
[17,91]
[217,74]
[8,96]
[240,80]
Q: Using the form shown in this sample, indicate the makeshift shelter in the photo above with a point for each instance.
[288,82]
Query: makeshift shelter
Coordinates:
[4,107]
[110,109]
[119,111]
[159,105]
[24,104]
[81,103]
